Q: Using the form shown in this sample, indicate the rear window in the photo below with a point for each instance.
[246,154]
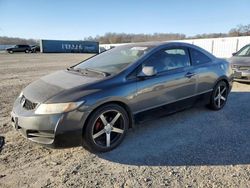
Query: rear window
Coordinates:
[198,57]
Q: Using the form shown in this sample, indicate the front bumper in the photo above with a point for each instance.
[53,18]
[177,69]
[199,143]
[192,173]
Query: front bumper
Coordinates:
[242,75]
[55,131]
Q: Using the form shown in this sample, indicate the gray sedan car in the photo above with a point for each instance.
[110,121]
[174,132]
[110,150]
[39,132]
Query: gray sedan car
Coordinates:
[95,102]
[240,63]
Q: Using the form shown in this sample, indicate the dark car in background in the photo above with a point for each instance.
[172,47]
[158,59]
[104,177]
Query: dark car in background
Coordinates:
[35,48]
[19,48]
[240,62]
[95,102]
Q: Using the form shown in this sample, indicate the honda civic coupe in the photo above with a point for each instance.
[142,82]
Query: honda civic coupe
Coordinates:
[240,63]
[95,102]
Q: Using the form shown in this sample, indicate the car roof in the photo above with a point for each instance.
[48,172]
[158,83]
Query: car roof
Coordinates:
[159,43]
[148,44]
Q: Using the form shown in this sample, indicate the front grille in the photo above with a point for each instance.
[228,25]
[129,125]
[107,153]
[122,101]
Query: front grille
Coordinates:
[244,68]
[239,67]
[27,104]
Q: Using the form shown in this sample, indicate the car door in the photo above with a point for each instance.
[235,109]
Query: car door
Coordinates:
[22,48]
[16,48]
[205,70]
[175,79]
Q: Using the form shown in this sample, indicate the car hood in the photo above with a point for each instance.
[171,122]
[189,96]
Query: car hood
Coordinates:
[55,83]
[239,60]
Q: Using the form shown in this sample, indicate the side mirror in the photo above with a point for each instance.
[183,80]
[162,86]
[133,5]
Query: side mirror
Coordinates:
[234,53]
[147,71]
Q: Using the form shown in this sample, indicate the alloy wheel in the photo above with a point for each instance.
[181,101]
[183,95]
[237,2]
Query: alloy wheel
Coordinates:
[220,96]
[108,128]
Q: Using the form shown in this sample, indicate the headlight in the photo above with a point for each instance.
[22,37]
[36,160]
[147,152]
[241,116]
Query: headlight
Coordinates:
[57,108]
[233,66]
[20,95]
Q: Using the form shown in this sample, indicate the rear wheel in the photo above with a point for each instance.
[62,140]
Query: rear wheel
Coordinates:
[106,128]
[219,96]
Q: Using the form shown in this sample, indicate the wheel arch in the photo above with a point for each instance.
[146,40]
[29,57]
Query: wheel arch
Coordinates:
[222,78]
[212,105]
[120,103]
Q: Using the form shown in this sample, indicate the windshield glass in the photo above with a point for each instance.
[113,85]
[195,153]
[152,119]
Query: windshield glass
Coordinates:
[245,51]
[114,60]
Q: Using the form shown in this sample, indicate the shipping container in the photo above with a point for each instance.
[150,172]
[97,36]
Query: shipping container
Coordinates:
[63,46]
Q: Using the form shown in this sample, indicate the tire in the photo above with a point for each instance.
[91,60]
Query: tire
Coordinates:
[219,96]
[2,142]
[27,51]
[106,128]
[11,52]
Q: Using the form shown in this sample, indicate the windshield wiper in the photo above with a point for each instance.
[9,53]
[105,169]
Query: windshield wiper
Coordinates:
[73,69]
[83,71]
[98,72]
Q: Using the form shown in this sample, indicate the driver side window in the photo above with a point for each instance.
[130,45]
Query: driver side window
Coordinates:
[168,59]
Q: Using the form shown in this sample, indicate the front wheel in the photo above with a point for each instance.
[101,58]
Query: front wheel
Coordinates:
[106,128]
[219,96]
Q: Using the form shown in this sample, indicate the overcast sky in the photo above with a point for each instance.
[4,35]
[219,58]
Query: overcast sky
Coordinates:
[76,19]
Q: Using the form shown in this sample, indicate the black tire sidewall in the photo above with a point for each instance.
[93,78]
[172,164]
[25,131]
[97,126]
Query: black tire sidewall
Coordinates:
[88,141]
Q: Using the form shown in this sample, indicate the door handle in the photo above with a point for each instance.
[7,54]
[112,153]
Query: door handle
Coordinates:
[190,74]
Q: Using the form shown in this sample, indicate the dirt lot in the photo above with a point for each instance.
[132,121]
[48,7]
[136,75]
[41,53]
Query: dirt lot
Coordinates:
[193,148]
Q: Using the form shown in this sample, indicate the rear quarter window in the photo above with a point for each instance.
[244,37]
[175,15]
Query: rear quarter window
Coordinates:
[198,57]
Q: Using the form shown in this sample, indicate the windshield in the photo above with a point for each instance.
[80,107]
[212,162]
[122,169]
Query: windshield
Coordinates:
[114,60]
[245,51]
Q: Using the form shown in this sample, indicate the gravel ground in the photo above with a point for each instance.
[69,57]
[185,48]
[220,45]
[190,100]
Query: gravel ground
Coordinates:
[193,148]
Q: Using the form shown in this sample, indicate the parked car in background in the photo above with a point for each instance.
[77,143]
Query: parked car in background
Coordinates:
[102,49]
[240,62]
[95,102]
[35,48]
[19,48]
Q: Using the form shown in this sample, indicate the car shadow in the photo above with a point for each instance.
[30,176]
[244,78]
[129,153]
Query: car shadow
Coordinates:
[196,136]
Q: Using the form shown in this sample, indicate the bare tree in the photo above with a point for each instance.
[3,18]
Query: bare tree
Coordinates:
[240,30]
[12,41]
[112,38]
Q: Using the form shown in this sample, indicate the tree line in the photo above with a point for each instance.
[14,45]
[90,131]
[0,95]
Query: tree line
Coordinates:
[111,38]
[13,41]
